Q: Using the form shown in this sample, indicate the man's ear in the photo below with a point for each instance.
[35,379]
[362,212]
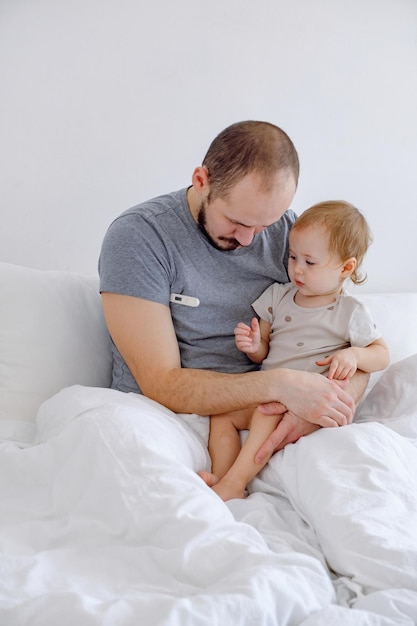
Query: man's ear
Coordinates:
[349,267]
[201,180]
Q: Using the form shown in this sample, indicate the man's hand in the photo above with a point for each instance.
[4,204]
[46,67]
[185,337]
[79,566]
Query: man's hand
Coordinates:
[315,398]
[290,429]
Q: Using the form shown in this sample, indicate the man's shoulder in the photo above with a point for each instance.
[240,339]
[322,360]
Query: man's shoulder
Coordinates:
[286,221]
[156,206]
[147,225]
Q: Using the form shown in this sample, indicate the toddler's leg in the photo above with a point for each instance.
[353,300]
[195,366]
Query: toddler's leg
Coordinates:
[224,442]
[234,482]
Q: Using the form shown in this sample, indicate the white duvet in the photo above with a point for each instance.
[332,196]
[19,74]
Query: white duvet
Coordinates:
[104,521]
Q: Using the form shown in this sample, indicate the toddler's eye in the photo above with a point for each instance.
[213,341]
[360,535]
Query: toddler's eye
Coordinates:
[310,263]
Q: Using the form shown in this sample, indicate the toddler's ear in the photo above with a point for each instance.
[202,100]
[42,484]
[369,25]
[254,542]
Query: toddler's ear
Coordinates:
[349,267]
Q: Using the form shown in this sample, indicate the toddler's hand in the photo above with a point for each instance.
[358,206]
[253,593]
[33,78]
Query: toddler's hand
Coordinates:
[343,364]
[248,338]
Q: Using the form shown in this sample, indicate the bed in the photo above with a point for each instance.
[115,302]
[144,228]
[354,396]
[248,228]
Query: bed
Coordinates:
[104,521]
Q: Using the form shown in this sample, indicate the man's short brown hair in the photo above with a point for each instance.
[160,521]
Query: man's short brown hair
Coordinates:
[249,147]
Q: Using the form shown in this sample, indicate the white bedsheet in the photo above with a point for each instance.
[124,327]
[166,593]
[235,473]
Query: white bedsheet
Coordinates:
[105,522]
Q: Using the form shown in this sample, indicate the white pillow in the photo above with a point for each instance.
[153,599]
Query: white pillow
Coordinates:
[394,396]
[395,314]
[52,335]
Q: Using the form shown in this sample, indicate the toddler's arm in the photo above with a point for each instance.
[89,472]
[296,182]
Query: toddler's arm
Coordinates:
[344,363]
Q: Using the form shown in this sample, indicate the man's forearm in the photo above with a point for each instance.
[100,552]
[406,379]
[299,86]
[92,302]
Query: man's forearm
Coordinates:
[210,393]
[308,395]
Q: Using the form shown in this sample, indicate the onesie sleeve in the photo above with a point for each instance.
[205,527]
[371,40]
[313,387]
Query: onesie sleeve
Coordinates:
[362,328]
[266,304]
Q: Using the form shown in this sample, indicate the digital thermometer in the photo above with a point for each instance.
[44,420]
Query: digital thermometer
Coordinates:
[179,298]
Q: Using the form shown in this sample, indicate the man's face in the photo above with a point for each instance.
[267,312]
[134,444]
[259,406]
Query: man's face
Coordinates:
[232,221]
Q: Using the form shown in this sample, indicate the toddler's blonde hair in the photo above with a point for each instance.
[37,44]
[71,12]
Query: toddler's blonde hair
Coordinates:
[348,229]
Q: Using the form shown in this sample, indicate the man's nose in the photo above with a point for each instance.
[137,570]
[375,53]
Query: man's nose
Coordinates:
[245,234]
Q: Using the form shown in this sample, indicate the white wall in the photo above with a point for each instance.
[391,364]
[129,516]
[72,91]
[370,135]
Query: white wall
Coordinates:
[105,103]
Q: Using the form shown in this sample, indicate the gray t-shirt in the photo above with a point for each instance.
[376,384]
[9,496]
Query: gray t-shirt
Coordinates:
[156,249]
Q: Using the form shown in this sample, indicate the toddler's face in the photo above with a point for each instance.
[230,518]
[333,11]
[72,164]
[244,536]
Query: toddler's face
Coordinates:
[311,266]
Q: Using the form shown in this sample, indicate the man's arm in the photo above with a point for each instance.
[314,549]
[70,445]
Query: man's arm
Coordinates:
[143,333]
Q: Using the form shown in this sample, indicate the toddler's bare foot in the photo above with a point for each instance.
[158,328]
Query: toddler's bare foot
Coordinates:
[209,479]
[227,489]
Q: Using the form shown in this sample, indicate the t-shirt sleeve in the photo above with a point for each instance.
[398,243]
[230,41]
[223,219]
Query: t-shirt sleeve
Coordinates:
[362,328]
[134,260]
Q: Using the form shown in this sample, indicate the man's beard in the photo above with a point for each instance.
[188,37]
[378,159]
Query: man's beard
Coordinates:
[231,243]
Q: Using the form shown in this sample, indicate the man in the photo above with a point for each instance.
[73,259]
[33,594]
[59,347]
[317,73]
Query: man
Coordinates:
[178,272]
